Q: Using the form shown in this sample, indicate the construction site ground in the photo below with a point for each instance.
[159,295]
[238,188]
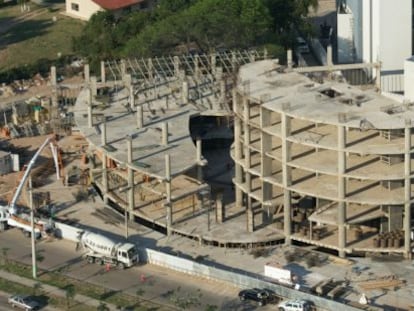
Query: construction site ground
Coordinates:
[371,276]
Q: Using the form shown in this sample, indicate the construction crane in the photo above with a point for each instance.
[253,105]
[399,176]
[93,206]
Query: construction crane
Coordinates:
[9,213]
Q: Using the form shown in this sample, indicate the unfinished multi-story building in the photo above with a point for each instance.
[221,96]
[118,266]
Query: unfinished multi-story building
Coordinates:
[325,164]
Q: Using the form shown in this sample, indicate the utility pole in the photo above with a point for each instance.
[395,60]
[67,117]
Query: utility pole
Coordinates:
[33,237]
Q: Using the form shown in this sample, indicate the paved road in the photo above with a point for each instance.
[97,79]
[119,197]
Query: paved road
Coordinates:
[154,283]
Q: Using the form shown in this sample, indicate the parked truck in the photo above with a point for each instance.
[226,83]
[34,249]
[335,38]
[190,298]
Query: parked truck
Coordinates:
[276,273]
[13,216]
[20,220]
[103,250]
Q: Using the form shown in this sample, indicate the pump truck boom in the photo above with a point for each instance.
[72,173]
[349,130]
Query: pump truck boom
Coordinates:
[10,214]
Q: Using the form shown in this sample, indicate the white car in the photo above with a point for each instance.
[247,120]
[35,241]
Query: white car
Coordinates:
[24,302]
[295,305]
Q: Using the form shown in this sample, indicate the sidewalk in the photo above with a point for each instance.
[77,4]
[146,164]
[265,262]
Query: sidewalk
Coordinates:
[48,289]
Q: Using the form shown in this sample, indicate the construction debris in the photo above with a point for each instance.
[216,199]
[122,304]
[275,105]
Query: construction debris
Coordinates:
[385,282]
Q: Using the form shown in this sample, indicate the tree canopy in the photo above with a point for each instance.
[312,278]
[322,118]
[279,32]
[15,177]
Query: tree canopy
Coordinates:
[175,26]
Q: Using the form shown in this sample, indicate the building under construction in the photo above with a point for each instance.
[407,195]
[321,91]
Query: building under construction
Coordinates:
[329,164]
[321,163]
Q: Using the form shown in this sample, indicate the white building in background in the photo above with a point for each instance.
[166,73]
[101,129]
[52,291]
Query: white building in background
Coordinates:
[8,162]
[377,30]
[84,9]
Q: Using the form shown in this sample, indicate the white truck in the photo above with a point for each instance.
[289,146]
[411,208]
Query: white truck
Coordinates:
[22,221]
[11,216]
[276,273]
[103,250]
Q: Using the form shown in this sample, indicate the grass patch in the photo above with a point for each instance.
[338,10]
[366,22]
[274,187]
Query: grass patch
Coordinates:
[61,281]
[10,10]
[39,37]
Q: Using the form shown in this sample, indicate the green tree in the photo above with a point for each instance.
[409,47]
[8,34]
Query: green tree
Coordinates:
[5,255]
[211,308]
[97,39]
[184,301]
[70,292]
[36,288]
[175,26]
[289,17]
[102,307]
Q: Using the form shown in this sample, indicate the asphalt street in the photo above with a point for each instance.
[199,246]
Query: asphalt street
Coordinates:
[153,283]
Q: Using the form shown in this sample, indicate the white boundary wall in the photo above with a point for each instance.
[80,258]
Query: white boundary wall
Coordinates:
[241,279]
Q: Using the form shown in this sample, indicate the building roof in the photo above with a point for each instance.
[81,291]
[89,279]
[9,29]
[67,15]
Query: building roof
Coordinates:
[331,102]
[116,4]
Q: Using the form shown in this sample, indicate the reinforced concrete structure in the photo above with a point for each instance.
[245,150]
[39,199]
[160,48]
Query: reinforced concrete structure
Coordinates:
[326,164]
[322,163]
[142,154]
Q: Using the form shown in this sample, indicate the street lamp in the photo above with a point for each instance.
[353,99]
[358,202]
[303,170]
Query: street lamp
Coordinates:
[33,237]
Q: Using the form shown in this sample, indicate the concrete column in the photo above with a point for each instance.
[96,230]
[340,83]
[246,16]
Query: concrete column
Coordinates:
[233,61]
[329,59]
[140,117]
[53,77]
[252,57]
[407,190]
[213,62]
[184,93]
[199,158]
[219,74]
[103,132]
[246,118]
[289,59]
[89,103]
[123,69]
[220,212]
[131,198]
[266,146]
[93,84]
[196,67]
[131,97]
[287,178]
[341,190]
[105,188]
[86,73]
[237,151]
[168,193]
[222,91]
[164,134]
[103,72]
[127,79]
[247,138]
[176,66]
[150,70]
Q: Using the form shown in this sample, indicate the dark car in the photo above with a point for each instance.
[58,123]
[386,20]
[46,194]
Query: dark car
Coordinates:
[260,296]
[24,302]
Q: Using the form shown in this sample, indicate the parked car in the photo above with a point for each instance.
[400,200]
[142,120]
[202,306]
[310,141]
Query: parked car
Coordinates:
[302,46]
[260,296]
[24,302]
[295,305]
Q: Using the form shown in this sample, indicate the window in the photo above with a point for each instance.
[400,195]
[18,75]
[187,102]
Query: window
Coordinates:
[75,6]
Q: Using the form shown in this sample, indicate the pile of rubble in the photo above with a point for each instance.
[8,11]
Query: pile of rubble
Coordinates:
[21,86]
